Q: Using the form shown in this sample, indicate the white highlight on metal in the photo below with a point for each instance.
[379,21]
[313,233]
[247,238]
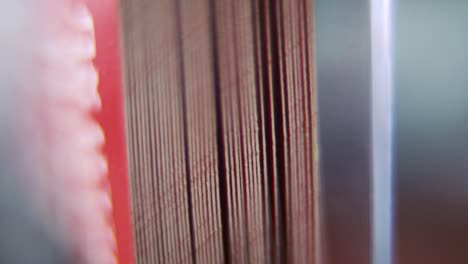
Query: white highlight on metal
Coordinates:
[382,132]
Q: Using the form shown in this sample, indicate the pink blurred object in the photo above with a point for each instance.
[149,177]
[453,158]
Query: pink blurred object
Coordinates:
[73,178]
[63,110]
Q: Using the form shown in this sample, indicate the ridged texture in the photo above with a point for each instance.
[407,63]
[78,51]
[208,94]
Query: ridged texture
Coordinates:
[72,168]
[220,122]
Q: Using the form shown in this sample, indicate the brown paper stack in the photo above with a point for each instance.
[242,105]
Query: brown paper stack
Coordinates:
[220,124]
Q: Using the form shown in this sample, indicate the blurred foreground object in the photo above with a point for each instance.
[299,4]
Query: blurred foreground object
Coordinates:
[53,143]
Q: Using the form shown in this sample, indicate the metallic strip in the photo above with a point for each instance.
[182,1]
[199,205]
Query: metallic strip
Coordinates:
[382,131]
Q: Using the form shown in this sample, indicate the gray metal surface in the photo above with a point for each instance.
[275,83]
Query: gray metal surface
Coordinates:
[431,131]
[343,61]
[355,106]
[393,149]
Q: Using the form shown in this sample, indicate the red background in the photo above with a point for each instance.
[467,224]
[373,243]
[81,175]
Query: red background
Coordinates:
[111,118]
